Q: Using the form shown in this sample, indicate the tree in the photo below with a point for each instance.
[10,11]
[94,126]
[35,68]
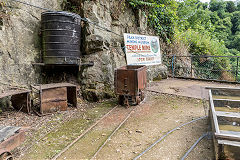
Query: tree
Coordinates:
[236,22]
[230,7]
[238,5]
[219,6]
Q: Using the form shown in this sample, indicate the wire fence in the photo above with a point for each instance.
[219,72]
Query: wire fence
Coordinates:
[219,68]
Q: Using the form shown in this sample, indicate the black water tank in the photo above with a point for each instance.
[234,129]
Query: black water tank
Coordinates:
[61,33]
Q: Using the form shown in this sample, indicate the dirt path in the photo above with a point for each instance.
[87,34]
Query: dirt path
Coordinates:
[152,119]
[158,115]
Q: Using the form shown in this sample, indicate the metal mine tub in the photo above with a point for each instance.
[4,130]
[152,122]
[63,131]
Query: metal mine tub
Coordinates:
[10,138]
[129,82]
[225,119]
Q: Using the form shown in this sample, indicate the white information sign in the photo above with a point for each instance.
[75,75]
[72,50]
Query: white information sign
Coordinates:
[142,50]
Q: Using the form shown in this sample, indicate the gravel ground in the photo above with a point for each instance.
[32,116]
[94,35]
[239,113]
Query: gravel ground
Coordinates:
[152,119]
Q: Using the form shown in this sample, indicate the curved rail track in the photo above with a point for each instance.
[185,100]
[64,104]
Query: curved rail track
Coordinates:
[83,134]
[117,128]
[90,128]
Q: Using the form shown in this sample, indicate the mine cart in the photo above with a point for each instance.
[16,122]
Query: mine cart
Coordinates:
[129,82]
[56,96]
[20,99]
[225,120]
[10,138]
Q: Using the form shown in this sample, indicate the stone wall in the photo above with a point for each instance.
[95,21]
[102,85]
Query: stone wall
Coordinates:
[20,45]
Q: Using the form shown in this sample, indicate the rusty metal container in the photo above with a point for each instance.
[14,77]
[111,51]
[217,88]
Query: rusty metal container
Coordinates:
[129,82]
[20,99]
[10,138]
[61,34]
[56,96]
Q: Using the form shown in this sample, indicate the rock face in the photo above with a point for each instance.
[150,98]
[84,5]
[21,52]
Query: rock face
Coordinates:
[20,45]
[106,48]
[20,42]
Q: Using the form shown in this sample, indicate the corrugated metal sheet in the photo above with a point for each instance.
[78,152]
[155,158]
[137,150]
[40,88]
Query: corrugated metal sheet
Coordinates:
[7,131]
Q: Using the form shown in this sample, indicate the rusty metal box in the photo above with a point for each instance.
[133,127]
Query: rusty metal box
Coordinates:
[130,80]
[56,96]
[54,99]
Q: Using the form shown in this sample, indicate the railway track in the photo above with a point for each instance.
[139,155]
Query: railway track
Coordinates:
[95,124]
[83,134]
[90,128]
[116,130]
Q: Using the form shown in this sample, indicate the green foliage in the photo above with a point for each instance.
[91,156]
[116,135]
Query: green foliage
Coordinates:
[201,43]
[231,7]
[208,29]
[216,24]
[238,6]
[139,3]
[162,15]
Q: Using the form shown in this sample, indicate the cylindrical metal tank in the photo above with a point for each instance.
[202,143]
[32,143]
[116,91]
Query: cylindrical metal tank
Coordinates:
[61,33]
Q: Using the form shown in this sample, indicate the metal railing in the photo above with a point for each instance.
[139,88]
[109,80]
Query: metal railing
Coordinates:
[218,68]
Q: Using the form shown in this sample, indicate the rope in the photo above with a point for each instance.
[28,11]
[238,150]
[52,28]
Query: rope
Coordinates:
[194,145]
[160,139]
[28,4]
[83,19]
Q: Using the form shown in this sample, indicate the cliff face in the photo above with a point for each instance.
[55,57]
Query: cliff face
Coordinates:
[105,48]
[20,44]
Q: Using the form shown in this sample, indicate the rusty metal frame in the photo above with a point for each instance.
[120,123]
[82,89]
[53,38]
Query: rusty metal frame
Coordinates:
[71,95]
[20,99]
[12,142]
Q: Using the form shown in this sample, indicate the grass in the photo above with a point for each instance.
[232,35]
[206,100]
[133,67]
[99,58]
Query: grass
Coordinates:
[66,132]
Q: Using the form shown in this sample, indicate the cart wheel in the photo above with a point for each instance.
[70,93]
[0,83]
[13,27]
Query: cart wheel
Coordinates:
[138,100]
[126,102]
[121,100]
[6,156]
[142,96]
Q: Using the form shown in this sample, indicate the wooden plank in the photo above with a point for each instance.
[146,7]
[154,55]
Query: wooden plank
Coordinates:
[54,95]
[13,92]
[231,100]
[54,106]
[12,142]
[228,114]
[226,136]
[7,132]
[230,143]
[234,133]
[53,85]
[213,112]
[223,88]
